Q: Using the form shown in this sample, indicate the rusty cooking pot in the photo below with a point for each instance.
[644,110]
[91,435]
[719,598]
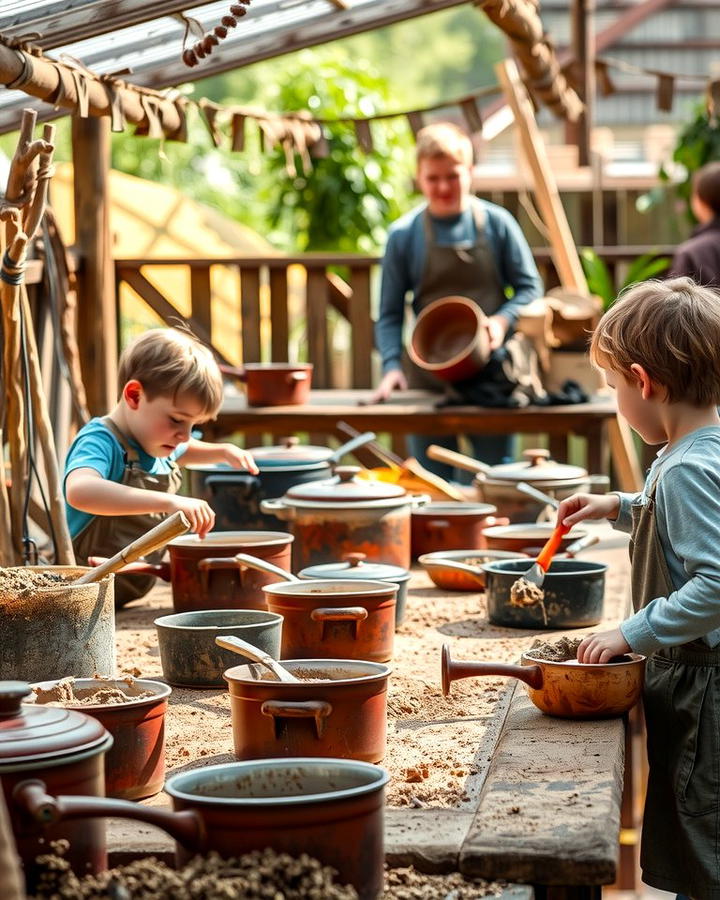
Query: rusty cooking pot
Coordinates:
[331,618]
[274,383]
[331,809]
[448,525]
[204,573]
[338,708]
[528,537]
[450,339]
[569,690]
[65,747]
[346,514]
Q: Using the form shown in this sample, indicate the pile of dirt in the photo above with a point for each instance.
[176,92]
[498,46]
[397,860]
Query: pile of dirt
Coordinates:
[63,693]
[409,884]
[18,583]
[562,650]
[260,875]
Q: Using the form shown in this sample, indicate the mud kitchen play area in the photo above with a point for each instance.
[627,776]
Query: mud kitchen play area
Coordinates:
[359,684]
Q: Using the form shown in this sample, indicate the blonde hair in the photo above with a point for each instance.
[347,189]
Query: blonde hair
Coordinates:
[672,329]
[443,139]
[169,362]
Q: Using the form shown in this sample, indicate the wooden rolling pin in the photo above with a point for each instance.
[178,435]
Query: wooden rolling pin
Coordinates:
[453,458]
[157,537]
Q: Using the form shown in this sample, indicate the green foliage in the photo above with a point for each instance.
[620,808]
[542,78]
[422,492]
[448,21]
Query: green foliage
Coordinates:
[600,281]
[698,143]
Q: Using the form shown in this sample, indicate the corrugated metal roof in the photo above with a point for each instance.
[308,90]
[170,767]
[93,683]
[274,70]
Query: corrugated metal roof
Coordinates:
[147,37]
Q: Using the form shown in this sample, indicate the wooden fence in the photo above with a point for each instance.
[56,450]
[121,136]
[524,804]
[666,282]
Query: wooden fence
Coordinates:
[308,288]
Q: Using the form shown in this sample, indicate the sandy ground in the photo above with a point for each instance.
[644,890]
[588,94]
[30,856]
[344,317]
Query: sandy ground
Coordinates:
[438,747]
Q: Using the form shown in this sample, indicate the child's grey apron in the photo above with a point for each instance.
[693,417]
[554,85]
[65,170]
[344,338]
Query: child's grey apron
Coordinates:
[466,271]
[680,839]
[105,535]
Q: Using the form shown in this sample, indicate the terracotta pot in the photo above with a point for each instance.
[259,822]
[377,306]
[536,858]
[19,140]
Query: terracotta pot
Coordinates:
[527,538]
[135,764]
[66,748]
[462,570]
[331,809]
[204,573]
[450,340]
[343,716]
[275,383]
[444,525]
[570,690]
[574,593]
[346,514]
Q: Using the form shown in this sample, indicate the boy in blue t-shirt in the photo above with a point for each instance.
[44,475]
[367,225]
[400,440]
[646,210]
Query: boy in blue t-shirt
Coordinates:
[121,472]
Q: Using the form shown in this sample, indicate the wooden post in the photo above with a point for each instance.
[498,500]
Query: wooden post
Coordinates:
[567,261]
[97,308]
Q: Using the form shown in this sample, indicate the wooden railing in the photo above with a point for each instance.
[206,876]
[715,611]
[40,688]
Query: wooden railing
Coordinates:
[315,302]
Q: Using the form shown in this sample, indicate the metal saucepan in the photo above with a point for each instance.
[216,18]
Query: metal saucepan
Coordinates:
[204,574]
[573,589]
[331,618]
[338,708]
[331,809]
[527,537]
[236,495]
[274,383]
[188,652]
[570,690]
[462,570]
[448,525]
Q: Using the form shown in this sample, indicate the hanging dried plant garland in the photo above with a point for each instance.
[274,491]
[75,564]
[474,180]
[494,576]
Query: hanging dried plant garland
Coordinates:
[203,47]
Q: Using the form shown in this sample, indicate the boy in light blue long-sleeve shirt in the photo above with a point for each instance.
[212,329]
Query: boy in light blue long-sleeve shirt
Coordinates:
[659,347]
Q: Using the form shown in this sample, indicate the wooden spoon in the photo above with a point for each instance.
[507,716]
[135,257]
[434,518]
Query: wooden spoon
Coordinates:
[157,537]
[453,458]
[237,645]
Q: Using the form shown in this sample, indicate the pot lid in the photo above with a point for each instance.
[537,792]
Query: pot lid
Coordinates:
[354,565]
[344,487]
[455,508]
[290,452]
[29,733]
[536,466]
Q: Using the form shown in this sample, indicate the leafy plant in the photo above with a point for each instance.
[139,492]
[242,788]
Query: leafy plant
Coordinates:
[601,283]
[698,143]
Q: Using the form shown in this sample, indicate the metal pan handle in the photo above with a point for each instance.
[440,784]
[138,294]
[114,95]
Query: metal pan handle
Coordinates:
[298,709]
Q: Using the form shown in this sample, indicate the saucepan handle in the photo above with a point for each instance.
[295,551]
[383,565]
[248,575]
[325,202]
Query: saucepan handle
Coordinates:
[262,565]
[31,799]
[159,570]
[298,376]
[339,614]
[452,669]
[298,709]
[276,507]
[214,564]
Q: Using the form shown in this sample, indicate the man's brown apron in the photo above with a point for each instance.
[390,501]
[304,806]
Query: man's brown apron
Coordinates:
[681,829]
[455,270]
[105,535]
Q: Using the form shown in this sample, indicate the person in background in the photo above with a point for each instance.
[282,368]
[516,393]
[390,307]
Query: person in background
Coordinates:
[699,256]
[452,244]
[122,474]
[659,347]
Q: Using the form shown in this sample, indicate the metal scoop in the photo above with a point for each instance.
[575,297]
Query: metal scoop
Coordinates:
[256,655]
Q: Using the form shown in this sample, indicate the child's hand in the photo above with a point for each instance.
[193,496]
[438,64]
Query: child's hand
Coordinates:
[239,459]
[199,513]
[600,648]
[588,506]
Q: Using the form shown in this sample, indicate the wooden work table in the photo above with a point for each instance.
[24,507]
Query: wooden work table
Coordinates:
[415,412]
[546,793]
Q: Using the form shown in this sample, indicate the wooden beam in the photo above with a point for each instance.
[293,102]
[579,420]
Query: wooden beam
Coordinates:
[162,306]
[567,261]
[97,308]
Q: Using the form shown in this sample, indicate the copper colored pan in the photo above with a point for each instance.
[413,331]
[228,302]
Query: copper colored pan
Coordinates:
[570,689]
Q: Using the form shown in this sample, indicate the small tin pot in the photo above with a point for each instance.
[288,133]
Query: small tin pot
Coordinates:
[445,525]
[462,570]
[574,592]
[188,652]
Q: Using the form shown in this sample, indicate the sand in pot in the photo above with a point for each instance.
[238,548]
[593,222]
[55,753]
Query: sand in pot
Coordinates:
[63,693]
[525,593]
[563,650]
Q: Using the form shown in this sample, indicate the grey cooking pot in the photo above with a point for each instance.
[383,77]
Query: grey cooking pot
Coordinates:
[574,592]
[235,495]
[354,565]
[188,652]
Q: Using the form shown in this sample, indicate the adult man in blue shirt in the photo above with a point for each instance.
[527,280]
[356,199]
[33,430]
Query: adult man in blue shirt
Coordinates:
[453,244]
